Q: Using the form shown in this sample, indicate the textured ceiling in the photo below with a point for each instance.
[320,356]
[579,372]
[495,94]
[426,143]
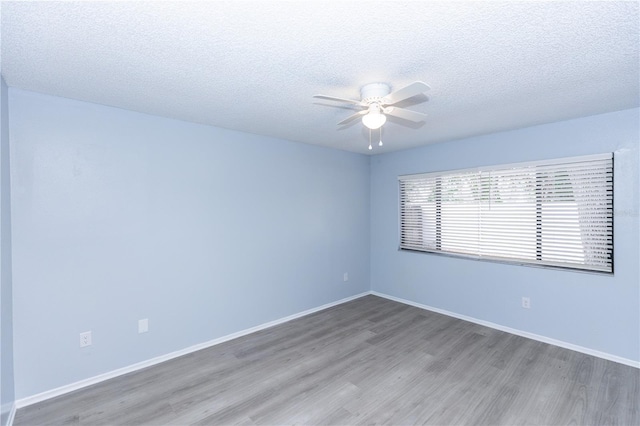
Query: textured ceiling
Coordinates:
[254,66]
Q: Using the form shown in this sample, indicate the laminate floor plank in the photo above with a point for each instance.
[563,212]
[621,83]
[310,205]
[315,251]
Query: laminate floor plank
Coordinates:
[369,361]
[277,382]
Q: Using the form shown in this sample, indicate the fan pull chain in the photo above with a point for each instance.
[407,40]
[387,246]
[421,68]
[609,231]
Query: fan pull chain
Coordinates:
[370,147]
[380,143]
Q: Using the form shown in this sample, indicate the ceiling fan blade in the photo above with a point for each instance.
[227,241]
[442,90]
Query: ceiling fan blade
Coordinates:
[407,92]
[332,98]
[351,117]
[405,114]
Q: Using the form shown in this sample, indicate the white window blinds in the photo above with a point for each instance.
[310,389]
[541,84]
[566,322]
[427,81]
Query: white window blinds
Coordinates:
[555,213]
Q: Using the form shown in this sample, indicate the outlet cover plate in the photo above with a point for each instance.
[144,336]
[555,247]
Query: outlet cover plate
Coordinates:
[85,339]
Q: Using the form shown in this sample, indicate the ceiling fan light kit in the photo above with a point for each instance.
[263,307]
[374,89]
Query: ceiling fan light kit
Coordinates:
[377,100]
[374,119]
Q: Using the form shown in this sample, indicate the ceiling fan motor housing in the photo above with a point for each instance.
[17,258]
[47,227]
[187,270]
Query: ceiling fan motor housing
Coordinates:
[374,92]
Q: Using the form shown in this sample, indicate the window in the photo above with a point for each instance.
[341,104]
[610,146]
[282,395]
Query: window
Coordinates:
[555,213]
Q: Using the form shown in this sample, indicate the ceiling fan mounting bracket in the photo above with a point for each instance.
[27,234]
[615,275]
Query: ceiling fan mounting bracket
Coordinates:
[374,92]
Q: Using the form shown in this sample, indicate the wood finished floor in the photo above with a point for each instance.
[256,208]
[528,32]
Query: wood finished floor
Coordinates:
[369,361]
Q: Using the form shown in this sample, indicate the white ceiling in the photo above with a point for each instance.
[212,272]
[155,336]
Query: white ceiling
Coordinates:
[254,66]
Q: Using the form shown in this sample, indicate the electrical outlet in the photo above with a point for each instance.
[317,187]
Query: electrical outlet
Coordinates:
[526,302]
[345,277]
[85,339]
[143,325]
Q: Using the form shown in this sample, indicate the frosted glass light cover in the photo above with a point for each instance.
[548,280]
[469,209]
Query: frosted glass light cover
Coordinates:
[374,120]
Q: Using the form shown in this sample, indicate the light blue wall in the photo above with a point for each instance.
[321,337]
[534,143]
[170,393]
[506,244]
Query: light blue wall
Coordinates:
[594,311]
[120,216]
[6,308]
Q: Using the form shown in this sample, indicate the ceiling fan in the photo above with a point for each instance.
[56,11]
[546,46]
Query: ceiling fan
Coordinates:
[377,102]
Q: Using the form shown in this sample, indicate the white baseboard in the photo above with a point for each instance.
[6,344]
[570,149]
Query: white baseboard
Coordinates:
[23,402]
[526,334]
